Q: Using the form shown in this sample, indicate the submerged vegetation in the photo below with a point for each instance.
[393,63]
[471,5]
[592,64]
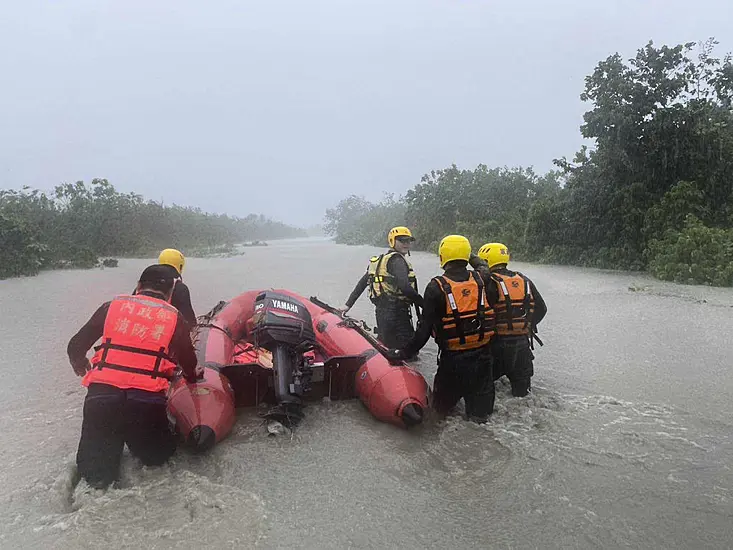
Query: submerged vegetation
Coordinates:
[78,223]
[655,192]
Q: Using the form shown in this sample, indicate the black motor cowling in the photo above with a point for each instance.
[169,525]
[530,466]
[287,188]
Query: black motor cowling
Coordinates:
[281,319]
[284,326]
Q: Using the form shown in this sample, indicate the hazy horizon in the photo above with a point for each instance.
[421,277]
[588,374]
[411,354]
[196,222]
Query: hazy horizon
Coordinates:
[283,109]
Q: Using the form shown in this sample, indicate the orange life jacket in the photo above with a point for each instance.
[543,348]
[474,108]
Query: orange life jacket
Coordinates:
[135,342]
[469,319]
[515,307]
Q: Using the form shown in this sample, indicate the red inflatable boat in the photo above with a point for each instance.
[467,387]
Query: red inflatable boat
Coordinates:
[276,347]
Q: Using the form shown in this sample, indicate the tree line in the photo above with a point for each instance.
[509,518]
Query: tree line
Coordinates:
[655,192]
[78,223]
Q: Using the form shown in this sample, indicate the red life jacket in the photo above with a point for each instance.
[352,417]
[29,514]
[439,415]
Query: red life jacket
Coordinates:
[468,322]
[135,342]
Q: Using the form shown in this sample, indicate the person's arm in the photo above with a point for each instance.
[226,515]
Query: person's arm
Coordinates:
[477,262]
[84,339]
[358,289]
[430,315]
[482,268]
[182,349]
[397,266]
[540,307]
[181,300]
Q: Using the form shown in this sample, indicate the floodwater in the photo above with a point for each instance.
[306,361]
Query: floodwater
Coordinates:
[625,441]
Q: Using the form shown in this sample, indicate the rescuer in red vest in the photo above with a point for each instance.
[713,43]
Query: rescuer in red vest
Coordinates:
[143,339]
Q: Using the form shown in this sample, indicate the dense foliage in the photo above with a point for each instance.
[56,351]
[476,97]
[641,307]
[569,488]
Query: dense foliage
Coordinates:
[78,223]
[358,221]
[655,191]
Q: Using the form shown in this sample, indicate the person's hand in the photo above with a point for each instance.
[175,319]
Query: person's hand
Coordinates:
[199,371]
[81,368]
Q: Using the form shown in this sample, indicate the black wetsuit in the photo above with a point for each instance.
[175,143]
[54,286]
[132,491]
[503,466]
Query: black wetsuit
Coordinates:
[513,355]
[461,374]
[394,316]
[115,416]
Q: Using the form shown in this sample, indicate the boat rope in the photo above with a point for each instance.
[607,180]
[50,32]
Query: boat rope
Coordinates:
[225,331]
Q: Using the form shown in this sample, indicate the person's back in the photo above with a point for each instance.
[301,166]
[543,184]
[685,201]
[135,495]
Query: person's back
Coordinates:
[491,262]
[467,319]
[519,308]
[181,298]
[143,339]
[457,313]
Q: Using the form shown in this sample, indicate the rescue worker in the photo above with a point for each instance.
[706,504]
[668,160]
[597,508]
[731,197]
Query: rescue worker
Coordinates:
[143,337]
[457,312]
[181,299]
[519,309]
[392,289]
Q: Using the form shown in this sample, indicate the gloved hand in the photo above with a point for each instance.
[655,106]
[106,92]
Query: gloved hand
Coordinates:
[81,368]
[477,262]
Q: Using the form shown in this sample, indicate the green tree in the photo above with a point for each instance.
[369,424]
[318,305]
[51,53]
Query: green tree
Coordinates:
[657,120]
[694,254]
[79,223]
[654,191]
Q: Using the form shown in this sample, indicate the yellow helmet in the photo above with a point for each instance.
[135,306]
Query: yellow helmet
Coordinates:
[171,256]
[454,247]
[494,254]
[398,232]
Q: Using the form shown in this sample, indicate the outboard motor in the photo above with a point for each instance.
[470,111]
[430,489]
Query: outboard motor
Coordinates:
[284,326]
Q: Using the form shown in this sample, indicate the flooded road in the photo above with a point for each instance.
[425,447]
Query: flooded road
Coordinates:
[625,442]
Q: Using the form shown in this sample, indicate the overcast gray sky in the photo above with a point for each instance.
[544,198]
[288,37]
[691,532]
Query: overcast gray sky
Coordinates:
[285,107]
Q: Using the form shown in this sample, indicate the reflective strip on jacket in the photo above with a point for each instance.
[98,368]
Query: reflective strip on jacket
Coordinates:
[468,321]
[515,306]
[382,282]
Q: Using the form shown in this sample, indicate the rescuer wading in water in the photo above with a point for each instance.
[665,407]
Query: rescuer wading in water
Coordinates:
[181,298]
[519,309]
[143,339]
[392,289]
[457,313]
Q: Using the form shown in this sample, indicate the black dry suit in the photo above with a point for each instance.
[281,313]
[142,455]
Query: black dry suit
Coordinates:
[519,308]
[393,290]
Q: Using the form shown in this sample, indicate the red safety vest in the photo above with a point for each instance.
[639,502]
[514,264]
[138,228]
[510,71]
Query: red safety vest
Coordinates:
[468,322]
[135,343]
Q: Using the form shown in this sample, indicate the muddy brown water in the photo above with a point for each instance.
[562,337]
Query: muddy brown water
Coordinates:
[624,443]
